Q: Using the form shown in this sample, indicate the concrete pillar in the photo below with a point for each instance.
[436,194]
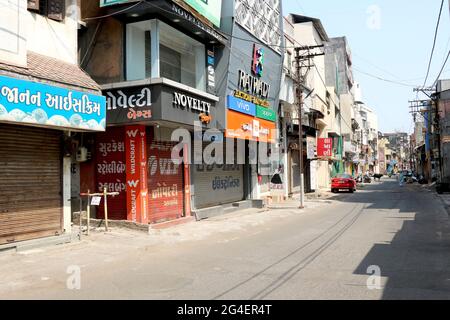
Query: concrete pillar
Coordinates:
[67,205]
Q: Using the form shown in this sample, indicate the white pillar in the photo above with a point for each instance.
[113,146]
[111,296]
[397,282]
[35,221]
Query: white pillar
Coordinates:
[67,209]
[154,25]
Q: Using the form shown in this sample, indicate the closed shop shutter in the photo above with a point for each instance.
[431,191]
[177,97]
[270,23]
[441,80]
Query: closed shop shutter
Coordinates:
[165,183]
[294,171]
[30,183]
[110,172]
[218,184]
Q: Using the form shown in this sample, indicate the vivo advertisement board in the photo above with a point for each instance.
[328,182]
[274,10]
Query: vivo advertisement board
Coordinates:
[40,104]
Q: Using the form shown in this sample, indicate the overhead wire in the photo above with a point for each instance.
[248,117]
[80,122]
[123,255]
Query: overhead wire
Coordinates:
[434,43]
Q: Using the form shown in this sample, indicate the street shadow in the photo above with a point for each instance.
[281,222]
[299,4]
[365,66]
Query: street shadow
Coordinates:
[414,260]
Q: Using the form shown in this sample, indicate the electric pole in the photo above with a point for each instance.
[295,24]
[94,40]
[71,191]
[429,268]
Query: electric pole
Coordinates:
[303,56]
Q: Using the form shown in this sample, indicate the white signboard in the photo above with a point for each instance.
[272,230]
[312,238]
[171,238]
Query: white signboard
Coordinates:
[96,201]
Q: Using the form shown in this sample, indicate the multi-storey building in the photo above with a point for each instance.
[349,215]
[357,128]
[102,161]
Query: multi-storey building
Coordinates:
[193,65]
[47,105]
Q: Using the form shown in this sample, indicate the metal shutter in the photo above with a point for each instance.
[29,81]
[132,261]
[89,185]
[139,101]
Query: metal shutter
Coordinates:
[110,172]
[218,184]
[165,183]
[30,183]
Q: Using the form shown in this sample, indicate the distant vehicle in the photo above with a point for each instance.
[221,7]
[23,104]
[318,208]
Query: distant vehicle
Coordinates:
[343,182]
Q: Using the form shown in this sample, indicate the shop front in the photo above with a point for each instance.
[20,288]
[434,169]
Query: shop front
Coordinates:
[36,149]
[251,101]
[153,186]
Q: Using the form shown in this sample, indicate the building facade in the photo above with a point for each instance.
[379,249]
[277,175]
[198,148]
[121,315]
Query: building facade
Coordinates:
[47,105]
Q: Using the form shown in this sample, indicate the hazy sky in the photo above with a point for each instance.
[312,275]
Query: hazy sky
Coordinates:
[391,39]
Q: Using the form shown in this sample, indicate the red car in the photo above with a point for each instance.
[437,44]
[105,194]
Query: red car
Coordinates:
[343,181]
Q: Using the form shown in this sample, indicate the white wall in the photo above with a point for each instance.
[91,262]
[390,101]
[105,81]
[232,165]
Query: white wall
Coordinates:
[22,30]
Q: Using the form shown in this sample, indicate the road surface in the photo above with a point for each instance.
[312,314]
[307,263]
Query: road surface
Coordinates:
[331,250]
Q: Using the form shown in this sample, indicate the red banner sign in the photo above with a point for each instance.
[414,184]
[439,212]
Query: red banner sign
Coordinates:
[325,147]
[136,164]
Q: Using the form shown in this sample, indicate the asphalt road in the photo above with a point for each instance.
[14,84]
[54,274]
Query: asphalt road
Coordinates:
[328,251]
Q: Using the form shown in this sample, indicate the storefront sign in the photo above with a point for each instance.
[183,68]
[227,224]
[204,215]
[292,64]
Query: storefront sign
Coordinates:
[210,9]
[187,102]
[246,127]
[119,99]
[36,103]
[266,114]
[211,71]
[110,171]
[325,147]
[104,3]
[241,106]
[189,17]
[311,147]
[136,174]
[247,97]
[160,102]
[253,85]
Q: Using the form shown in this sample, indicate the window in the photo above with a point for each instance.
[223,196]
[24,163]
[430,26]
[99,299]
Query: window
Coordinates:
[53,9]
[181,58]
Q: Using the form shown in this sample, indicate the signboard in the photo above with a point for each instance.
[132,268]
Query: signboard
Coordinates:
[110,172]
[96,201]
[246,127]
[210,9]
[104,3]
[311,148]
[36,103]
[136,164]
[266,114]
[241,106]
[325,147]
[159,102]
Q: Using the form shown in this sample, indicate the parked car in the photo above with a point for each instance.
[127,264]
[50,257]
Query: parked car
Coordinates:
[343,182]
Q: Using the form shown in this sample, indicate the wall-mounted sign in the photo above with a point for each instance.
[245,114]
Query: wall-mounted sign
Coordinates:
[258,61]
[104,3]
[246,127]
[241,106]
[210,9]
[189,17]
[136,164]
[311,147]
[253,85]
[211,73]
[185,101]
[266,114]
[247,97]
[325,147]
[41,104]
[160,102]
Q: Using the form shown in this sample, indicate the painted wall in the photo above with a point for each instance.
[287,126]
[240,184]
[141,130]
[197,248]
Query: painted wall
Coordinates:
[22,30]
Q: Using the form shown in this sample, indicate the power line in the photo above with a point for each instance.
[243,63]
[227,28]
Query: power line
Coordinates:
[434,43]
[383,79]
[442,69]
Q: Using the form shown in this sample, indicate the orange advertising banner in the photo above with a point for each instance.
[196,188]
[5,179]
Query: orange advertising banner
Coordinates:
[245,127]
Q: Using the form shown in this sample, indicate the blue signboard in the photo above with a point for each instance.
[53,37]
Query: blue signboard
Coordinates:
[41,104]
[241,106]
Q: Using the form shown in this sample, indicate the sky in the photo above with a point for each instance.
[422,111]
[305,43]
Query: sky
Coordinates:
[391,39]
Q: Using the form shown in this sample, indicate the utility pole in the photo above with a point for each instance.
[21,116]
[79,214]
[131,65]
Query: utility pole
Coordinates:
[303,56]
